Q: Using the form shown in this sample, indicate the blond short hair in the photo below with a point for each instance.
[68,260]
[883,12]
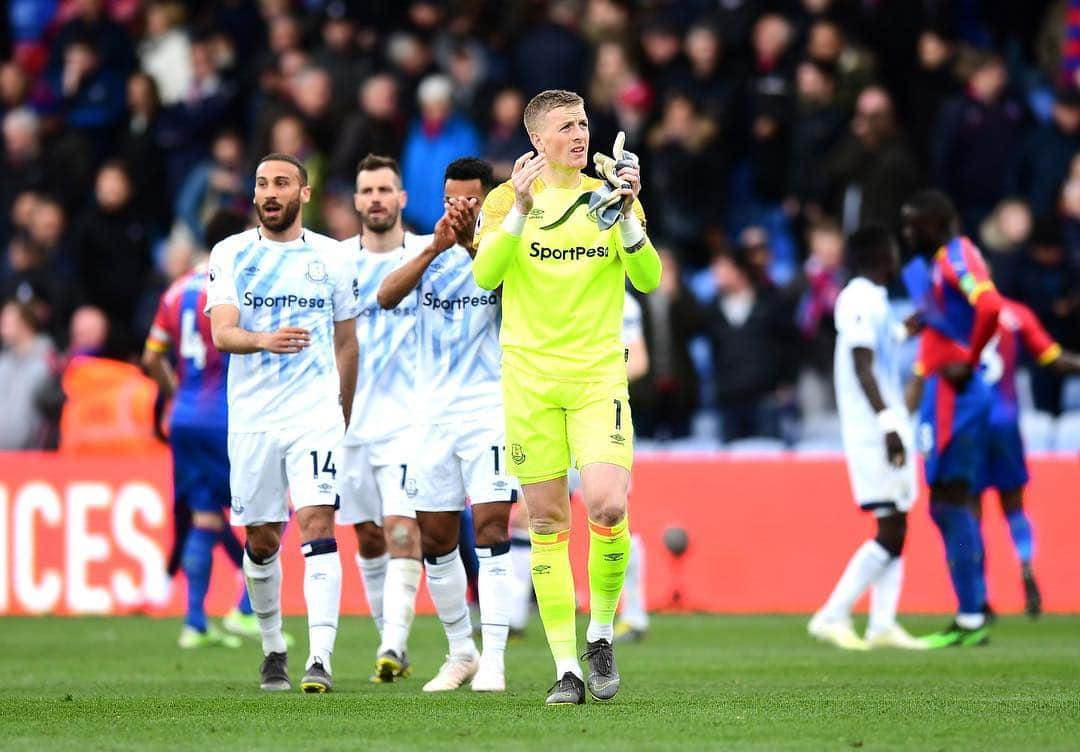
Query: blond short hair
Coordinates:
[545,102]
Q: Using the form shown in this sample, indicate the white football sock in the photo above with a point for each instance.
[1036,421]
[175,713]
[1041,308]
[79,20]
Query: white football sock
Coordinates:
[521,596]
[322,593]
[564,665]
[399,603]
[863,569]
[264,592]
[496,585]
[373,574]
[633,592]
[884,597]
[447,585]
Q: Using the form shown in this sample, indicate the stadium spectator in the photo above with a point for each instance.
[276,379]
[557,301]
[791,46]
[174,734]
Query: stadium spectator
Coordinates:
[375,128]
[87,94]
[312,92]
[743,325]
[974,130]
[26,363]
[435,139]
[684,192]
[289,136]
[506,138]
[853,65]
[815,289]
[92,24]
[14,87]
[60,164]
[39,266]
[187,127]
[1046,285]
[165,53]
[140,144]
[339,54]
[872,171]
[709,80]
[618,96]
[108,404]
[931,82]
[110,247]
[1041,164]
[666,397]
[1003,237]
[218,183]
[412,62]
[88,333]
[470,72]
[555,41]
[769,101]
[818,126]
[664,66]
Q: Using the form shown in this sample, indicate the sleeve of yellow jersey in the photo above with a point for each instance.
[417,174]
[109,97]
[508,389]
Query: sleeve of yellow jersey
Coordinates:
[642,266]
[495,247]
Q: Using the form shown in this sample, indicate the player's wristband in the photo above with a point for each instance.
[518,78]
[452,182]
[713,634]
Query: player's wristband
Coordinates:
[514,222]
[890,420]
[632,234]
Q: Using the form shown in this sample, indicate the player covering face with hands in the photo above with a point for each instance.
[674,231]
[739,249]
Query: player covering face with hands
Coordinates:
[563,277]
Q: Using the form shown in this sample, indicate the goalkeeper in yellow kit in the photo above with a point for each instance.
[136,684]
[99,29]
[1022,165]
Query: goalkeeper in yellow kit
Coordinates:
[563,370]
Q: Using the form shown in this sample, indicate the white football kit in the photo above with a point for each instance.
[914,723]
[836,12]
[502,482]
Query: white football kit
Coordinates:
[379,439]
[285,420]
[863,319]
[460,441]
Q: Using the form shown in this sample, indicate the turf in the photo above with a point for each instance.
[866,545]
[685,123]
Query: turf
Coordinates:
[697,682]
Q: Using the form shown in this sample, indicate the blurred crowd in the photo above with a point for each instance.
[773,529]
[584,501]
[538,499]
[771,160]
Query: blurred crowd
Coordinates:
[768,130]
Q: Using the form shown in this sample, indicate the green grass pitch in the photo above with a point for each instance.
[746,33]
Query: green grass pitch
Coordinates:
[698,682]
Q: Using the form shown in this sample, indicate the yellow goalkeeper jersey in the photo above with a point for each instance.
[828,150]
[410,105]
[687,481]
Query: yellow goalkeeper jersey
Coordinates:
[563,288]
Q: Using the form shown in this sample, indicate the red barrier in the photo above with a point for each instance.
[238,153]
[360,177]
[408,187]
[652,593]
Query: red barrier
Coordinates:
[87,535]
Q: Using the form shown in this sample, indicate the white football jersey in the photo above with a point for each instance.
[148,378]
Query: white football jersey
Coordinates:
[863,319]
[307,283]
[459,360]
[385,382]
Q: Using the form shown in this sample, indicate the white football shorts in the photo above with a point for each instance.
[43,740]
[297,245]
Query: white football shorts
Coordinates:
[874,481]
[372,480]
[453,461]
[267,468]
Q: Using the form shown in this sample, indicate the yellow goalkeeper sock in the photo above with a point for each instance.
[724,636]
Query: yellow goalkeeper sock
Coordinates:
[553,581]
[609,554]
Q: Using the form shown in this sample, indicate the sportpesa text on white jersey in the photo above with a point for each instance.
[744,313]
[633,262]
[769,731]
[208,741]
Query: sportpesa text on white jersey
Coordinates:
[384,389]
[458,359]
[306,283]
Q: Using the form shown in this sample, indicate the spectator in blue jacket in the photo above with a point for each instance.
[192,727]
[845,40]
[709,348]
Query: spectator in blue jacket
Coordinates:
[436,139]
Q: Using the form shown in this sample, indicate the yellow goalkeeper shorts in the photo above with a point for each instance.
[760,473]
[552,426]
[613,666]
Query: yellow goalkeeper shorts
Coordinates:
[548,422]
